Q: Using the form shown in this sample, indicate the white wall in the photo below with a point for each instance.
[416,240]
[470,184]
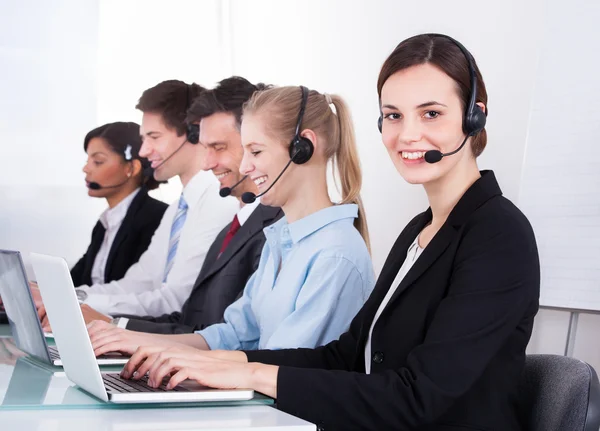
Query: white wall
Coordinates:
[48,103]
[109,52]
[563,121]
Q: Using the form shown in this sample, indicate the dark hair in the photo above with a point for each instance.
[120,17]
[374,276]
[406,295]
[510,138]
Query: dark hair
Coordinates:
[171,99]
[229,95]
[446,56]
[123,139]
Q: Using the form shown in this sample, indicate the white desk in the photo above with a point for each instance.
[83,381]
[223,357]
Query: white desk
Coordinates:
[256,418]
[32,398]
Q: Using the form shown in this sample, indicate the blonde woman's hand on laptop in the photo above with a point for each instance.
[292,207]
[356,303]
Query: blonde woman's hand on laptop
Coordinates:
[149,356]
[108,338]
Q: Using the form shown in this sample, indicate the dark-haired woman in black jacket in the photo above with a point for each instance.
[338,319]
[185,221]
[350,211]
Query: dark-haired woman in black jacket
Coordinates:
[115,171]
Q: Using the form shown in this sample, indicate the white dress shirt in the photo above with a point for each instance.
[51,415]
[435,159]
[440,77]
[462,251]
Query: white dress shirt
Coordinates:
[141,291]
[413,253]
[246,211]
[111,219]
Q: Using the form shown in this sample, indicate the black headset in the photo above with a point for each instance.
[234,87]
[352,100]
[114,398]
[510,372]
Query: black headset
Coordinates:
[192,133]
[301,148]
[474,118]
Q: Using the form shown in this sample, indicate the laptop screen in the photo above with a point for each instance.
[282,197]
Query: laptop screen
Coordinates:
[18,304]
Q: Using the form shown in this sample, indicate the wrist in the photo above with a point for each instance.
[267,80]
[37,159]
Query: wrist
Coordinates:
[262,378]
[230,355]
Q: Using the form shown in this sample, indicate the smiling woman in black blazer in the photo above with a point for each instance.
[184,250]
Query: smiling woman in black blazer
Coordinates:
[440,344]
[115,171]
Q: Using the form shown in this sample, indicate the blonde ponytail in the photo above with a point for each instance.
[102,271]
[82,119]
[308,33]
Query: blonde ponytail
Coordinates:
[347,163]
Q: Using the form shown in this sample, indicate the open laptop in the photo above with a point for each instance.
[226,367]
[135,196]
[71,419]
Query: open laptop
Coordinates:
[71,336]
[22,313]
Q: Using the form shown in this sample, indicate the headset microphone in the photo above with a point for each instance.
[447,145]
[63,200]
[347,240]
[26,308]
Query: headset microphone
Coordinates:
[434,156]
[149,170]
[96,186]
[226,191]
[250,197]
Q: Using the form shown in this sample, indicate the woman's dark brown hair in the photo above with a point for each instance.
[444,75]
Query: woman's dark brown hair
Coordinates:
[444,54]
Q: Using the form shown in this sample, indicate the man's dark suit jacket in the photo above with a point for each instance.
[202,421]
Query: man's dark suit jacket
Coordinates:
[221,280]
[132,240]
[448,349]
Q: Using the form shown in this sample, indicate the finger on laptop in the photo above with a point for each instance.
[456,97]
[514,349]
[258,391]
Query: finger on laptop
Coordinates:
[137,360]
[114,345]
[166,368]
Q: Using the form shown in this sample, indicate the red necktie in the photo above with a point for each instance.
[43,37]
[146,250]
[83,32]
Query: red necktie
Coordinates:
[235,226]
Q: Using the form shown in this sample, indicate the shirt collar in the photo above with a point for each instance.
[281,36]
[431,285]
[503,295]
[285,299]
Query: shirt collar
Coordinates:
[112,217]
[246,211]
[194,190]
[308,225]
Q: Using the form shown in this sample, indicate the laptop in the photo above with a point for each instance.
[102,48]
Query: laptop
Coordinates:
[22,314]
[71,336]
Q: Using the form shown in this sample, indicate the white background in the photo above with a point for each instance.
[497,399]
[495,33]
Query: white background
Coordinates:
[70,65]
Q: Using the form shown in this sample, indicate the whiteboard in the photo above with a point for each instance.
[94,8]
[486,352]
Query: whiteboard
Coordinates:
[560,187]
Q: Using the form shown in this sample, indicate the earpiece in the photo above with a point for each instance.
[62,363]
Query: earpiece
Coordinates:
[301,148]
[193,133]
[193,130]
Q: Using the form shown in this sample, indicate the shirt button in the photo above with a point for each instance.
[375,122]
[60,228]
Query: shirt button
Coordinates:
[378,357]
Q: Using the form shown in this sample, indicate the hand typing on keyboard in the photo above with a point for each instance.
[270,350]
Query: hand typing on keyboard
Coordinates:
[108,338]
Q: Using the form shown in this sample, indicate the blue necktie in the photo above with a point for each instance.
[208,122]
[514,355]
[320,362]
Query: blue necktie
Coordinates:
[176,227]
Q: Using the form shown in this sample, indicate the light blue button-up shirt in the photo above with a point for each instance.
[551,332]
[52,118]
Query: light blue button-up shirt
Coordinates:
[314,275]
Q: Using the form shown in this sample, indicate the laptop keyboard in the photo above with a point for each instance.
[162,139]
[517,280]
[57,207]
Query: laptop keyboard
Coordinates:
[114,383]
[53,351]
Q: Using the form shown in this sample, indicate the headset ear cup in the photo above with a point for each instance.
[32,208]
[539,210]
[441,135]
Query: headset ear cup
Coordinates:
[193,133]
[380,123]
[301,150]
[475,121]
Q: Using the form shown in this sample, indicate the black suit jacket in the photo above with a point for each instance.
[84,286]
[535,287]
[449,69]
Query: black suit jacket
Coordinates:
[132,239]
[220,282]
[449,348]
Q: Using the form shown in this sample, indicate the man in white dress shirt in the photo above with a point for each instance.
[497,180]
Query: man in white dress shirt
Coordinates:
[161,281]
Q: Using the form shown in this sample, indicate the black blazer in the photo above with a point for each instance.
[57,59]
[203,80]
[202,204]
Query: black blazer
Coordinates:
[449,348]
[132,239]
[220,282]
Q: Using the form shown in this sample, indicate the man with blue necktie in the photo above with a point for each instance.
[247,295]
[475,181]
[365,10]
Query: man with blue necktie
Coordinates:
[161,281]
